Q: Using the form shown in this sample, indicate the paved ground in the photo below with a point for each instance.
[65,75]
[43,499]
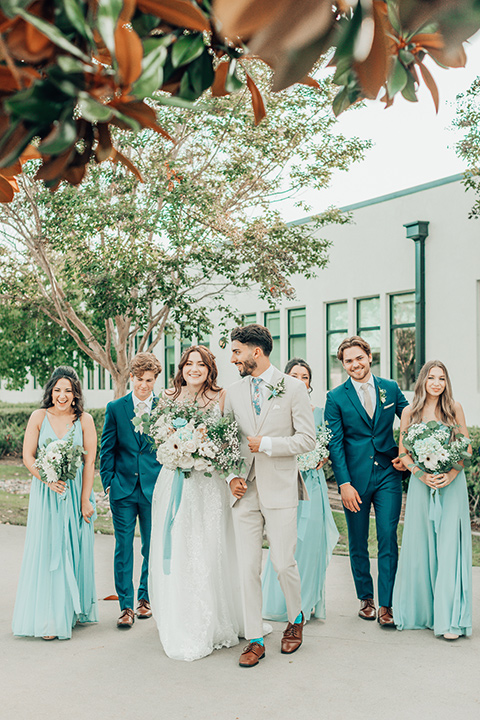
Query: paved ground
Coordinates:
[347,668]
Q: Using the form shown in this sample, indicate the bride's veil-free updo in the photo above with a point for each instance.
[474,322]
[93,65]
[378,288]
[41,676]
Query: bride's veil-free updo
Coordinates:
[67,373]
[209,360]
[446,403]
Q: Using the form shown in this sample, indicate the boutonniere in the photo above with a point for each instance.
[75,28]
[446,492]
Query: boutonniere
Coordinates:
[383,395]
[276,390]
[141,422]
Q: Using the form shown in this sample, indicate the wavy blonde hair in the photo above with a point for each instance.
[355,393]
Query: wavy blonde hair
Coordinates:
[446,403]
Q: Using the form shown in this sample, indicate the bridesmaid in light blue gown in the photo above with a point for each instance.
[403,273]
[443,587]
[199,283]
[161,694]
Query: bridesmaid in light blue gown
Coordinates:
[317,534]
[56,588]
[433,586]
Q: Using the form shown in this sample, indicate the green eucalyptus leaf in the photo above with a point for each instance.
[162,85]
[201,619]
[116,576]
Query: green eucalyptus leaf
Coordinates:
[74,12]
[53,34]
[152,43]
[108,12]
[63,136]
[72,65]
[398,78]
[186,49]
[341,102]
[151,78]
[92,110]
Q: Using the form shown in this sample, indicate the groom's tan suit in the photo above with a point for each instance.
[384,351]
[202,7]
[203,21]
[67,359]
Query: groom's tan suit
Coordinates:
[274,486]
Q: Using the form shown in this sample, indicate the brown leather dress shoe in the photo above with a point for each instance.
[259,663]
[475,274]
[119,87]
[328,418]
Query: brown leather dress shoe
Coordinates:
[251,655]
[367,609]
[292,637]
[143,609]
[126,619]
[385,617]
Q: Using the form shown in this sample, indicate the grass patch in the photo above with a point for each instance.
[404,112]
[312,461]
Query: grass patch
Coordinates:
[13,508]
[13,472]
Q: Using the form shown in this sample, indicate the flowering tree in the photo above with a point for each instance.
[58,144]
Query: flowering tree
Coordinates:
[116,259]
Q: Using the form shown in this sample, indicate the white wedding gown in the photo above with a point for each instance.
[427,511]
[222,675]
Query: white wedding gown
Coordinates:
[197,605]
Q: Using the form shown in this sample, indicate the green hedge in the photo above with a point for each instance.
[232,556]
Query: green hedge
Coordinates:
[13,421]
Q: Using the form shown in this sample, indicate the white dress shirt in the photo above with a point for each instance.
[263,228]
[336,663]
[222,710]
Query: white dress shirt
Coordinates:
[148,402]
[371,390]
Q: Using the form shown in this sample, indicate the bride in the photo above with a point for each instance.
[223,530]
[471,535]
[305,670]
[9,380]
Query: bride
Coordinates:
[195,606]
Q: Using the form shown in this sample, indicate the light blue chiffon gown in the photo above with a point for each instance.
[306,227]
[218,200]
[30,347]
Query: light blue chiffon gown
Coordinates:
[316,539]
[433,585]
[57,584]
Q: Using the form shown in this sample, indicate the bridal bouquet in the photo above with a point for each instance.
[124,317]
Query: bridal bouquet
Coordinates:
[310,460]
[435,448]
[59,460]
[188,438]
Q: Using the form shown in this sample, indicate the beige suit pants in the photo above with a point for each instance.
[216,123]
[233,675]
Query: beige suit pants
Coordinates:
[250,518]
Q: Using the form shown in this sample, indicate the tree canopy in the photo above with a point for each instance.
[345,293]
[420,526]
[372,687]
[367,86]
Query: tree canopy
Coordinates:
[116,259]
[468,148]
[70,70]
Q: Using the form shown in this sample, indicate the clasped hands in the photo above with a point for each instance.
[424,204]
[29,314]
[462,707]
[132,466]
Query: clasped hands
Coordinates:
[436,482]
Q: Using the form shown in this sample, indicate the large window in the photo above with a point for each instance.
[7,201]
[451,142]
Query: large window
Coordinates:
[297,333]
[368,327]
[337,330]
[101,378]
[402,339]
[271,320]
[90,379]
[249,319]
[169,356]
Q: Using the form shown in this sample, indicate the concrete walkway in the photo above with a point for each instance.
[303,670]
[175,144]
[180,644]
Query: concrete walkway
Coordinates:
[347,668]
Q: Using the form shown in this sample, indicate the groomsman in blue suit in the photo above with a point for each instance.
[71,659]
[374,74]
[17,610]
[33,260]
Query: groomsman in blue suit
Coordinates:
[129,470]
[364,456]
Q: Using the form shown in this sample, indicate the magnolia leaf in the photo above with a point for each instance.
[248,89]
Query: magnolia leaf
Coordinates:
[151,78]
[7,189]
[398,78]
[341,102]
[186,49]
[218,85]
[257,99]
[408,91]
[431,84]
[181,13]
[108,12]
[144,115]
[92,110]
[233,82]
[53,34]
[117,157]
[129,54]
[62,136]
[74,13]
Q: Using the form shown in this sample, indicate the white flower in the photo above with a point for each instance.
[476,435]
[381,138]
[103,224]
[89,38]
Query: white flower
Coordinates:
[201,464]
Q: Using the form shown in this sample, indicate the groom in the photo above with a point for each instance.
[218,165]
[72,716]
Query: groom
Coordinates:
[275,418]
[129,470]
[360,414]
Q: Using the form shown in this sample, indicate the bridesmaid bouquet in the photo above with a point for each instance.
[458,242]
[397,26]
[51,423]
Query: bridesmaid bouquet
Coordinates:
[310,460]
[188,438]
[435,448]
[59,460]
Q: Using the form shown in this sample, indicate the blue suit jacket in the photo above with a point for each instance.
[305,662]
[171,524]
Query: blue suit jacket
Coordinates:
[126,456]
[359,441]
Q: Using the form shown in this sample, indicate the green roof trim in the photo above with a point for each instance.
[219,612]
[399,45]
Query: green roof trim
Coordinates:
[392,196]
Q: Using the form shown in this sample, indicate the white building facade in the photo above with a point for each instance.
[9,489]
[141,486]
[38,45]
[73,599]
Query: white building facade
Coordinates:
[368,288]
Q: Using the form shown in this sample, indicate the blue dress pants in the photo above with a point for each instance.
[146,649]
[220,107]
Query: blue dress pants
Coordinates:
[384,492]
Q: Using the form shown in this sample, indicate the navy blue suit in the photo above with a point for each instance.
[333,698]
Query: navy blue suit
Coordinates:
[361,452]
[128,466]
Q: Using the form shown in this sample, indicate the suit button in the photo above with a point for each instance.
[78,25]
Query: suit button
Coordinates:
[371,457]
[375,463]
[141,452]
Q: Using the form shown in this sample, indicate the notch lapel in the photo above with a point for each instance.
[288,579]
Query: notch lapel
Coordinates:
[267,404]
[378,406]
[355,400]
[247,401]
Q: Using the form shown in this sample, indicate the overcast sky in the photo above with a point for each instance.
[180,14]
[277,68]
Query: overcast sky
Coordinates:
[412,144]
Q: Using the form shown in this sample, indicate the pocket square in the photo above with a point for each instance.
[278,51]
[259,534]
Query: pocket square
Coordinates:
[385,407]
[276,407]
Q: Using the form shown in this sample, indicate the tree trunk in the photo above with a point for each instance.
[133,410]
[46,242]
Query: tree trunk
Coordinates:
[120,382]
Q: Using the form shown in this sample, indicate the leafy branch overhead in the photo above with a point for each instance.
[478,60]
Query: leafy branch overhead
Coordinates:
[72,69]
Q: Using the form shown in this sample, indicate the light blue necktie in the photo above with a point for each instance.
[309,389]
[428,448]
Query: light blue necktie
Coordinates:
[256,395]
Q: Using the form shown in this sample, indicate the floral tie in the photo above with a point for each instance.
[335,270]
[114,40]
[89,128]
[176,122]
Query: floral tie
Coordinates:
[256,395]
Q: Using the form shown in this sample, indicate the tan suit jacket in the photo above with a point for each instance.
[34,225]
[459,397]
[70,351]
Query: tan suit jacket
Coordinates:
[288,421]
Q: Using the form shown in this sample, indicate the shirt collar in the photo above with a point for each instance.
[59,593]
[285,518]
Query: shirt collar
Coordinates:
[358,385]
[148,401]
[267,375]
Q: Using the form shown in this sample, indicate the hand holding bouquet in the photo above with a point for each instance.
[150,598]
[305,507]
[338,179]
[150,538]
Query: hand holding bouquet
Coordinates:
[310,460]
[59,460]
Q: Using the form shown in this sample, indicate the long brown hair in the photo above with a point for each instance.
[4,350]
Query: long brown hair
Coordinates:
[209,360]
[446,403]
[64,372]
